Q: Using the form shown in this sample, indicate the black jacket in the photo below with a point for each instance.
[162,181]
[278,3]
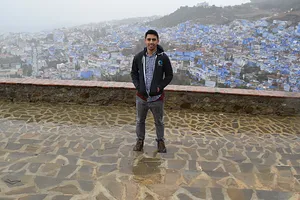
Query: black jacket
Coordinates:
[162,75]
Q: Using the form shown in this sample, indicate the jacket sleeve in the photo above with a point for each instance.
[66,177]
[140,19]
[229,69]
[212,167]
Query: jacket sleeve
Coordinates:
[135,74]
[168,73]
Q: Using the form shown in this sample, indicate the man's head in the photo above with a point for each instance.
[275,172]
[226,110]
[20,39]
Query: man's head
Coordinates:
[151,40]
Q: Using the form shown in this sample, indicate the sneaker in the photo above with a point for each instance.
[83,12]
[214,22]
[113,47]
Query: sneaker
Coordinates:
[139,145]
[161,148]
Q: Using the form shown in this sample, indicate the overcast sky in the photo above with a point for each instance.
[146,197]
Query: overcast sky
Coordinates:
[35,15]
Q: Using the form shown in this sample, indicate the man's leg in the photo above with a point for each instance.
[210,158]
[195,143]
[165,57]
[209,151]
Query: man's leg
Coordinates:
[141,114]
[157,109]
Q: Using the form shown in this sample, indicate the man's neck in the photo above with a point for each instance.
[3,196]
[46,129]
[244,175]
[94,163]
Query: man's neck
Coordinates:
[150,53]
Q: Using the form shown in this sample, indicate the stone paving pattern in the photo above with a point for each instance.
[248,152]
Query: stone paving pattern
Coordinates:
[62,152]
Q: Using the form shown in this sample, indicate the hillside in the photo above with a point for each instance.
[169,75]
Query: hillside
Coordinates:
[221,15]
[277,4]
[133,20]
[293,16]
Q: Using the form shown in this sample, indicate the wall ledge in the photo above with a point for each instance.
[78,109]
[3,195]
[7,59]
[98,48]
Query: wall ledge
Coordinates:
[195,98]
[130,86]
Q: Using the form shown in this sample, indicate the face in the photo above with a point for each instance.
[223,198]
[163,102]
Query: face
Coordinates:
[151,42]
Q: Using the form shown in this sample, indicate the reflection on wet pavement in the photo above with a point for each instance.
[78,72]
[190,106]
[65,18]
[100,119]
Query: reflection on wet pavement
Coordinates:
[61,151]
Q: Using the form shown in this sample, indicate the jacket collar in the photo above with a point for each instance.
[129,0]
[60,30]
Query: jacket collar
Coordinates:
[159,50]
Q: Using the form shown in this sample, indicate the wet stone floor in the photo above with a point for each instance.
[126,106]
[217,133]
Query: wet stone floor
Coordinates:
[61,152]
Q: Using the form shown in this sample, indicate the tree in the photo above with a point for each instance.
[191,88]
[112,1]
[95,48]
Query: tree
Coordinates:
[77,67]
[261,77]
[27,70]
[222,85]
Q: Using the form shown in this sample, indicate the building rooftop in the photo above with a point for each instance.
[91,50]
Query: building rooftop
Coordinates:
[60,151]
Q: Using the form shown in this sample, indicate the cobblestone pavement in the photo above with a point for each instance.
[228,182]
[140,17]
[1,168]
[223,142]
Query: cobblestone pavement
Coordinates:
[63,152]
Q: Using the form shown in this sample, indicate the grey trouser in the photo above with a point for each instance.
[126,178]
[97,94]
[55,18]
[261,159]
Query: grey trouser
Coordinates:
[157,109]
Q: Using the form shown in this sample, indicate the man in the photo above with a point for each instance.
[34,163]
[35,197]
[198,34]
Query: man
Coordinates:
[151,72]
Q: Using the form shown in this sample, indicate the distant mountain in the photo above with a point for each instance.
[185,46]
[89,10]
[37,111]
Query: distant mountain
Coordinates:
[210,15]
[277,4]
[133,20]
[118,22]
[221,15]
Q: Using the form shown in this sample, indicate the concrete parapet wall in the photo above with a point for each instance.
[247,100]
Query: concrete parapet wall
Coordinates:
[201,99]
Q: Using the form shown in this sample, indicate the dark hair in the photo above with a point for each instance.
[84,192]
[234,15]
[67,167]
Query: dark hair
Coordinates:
[151,32]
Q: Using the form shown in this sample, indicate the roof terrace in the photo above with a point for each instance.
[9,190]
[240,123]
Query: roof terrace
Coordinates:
[72,151]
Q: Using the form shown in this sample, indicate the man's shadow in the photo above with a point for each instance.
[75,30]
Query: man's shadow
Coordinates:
[147,170]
